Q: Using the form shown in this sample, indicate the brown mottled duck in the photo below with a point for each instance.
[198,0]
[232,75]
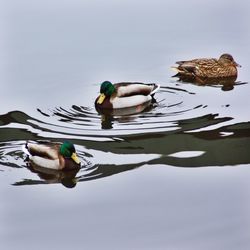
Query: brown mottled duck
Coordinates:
[225,66]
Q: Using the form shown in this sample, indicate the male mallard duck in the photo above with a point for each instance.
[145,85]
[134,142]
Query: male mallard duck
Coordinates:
[124,95]
[53,156]
[225,66]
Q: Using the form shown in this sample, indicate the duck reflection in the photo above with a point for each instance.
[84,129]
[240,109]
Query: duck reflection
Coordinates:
[67,177]
[108,116]
[226,83]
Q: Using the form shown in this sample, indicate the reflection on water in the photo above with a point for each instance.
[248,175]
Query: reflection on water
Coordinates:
[111,143]
[225,83]
[144,173]
[124,115]
[48,176]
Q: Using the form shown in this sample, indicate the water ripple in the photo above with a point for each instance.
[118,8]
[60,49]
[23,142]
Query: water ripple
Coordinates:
[85,122]
[176,125]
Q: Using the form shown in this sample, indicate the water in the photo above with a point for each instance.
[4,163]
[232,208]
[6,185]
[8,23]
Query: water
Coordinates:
[174,176]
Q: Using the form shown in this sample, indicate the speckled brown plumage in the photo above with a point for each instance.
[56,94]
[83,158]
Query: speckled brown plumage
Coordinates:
[225,66]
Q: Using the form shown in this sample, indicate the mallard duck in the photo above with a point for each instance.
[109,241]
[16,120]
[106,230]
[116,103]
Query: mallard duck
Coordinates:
[225,66]
[124,95]
[53,156]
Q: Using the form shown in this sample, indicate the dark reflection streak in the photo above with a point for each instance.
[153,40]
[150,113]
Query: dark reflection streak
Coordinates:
[177,90]
[155,127]
[10,164]
[43,113]
[9,151]
[71,116]
[154,142]
[199,106]
[238,83]
[28,182]
[176,104]
[22,118]
[108,170]
[219,150]
[82,112]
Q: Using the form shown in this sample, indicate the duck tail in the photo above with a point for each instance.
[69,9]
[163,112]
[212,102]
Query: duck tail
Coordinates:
[175,69]
[156,88]
[25,149]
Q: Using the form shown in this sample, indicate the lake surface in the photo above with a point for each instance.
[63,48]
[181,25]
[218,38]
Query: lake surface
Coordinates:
[175,176]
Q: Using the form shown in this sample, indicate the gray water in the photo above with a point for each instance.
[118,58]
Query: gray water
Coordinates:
[172,177]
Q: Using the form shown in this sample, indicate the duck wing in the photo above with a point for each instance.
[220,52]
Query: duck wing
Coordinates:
[192,66]
[186,66]
[43,150]
[126,89]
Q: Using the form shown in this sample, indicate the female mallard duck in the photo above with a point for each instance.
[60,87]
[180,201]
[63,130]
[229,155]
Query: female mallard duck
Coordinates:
[53,156]
[124,95]
[225,66]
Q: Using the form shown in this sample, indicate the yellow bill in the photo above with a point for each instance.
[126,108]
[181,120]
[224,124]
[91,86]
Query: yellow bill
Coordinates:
[101,98]
[75,158]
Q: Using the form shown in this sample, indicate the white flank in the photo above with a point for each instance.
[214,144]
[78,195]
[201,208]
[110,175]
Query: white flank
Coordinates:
[130,101]
[45,163]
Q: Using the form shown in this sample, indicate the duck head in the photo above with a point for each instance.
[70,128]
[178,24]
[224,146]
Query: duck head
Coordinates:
[67,150]
[106,90]
[227,59]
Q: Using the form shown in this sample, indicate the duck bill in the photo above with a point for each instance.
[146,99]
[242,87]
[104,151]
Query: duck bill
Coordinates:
[75,158]
[237,65]
[101,99]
